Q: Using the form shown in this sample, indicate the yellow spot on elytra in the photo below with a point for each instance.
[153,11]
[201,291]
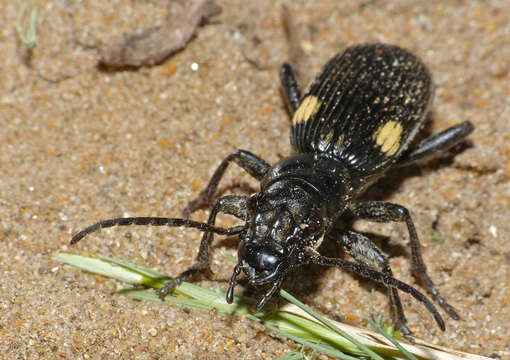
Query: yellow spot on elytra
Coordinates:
[329,136]
[307,109]
[340,141]
[388,137]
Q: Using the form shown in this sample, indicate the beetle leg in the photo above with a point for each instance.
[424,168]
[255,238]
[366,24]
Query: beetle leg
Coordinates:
[233,205]
[436,144]
[365,252]
[290,87]
[388,212]
[254,165]
[312,256]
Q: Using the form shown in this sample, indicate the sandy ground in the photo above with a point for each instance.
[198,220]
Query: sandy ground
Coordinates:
[79,144]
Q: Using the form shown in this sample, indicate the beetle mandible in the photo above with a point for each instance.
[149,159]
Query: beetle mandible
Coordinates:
[357,120]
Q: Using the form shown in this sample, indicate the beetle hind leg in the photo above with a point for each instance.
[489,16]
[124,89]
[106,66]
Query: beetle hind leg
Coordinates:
[434,145]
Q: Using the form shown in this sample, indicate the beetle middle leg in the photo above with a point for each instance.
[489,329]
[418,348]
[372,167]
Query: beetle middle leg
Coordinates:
[365,252]
[388,212]
[231,204]
[312,256]
[251,163]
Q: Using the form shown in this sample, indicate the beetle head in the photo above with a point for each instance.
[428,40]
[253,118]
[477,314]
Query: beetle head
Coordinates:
[280,225]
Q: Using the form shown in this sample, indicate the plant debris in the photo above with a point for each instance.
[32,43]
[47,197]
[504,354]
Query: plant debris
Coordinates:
[153,45]
[297,56]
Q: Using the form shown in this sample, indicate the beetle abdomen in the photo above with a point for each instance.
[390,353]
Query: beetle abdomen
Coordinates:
[365,107]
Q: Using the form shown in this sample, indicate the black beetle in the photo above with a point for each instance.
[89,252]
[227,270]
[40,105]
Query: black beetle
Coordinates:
[358,119]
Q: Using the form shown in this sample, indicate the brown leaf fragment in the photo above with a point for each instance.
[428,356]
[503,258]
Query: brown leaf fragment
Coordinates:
[153,45]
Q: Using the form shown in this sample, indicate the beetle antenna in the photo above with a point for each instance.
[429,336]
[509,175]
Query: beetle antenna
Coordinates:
[156,221]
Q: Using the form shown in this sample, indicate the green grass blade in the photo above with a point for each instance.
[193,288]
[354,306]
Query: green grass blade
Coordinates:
[300,324]
[391,339]
[28,38]
[197,297]
[313,344]
[149,277]
[97,266]
[322,348]
[331,326]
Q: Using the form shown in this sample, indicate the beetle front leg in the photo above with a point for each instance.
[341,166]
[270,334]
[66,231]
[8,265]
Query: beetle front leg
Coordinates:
[233,205]
[388,212]
[251,163]
[365,252]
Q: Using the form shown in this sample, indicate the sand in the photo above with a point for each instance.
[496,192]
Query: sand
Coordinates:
[79,144]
